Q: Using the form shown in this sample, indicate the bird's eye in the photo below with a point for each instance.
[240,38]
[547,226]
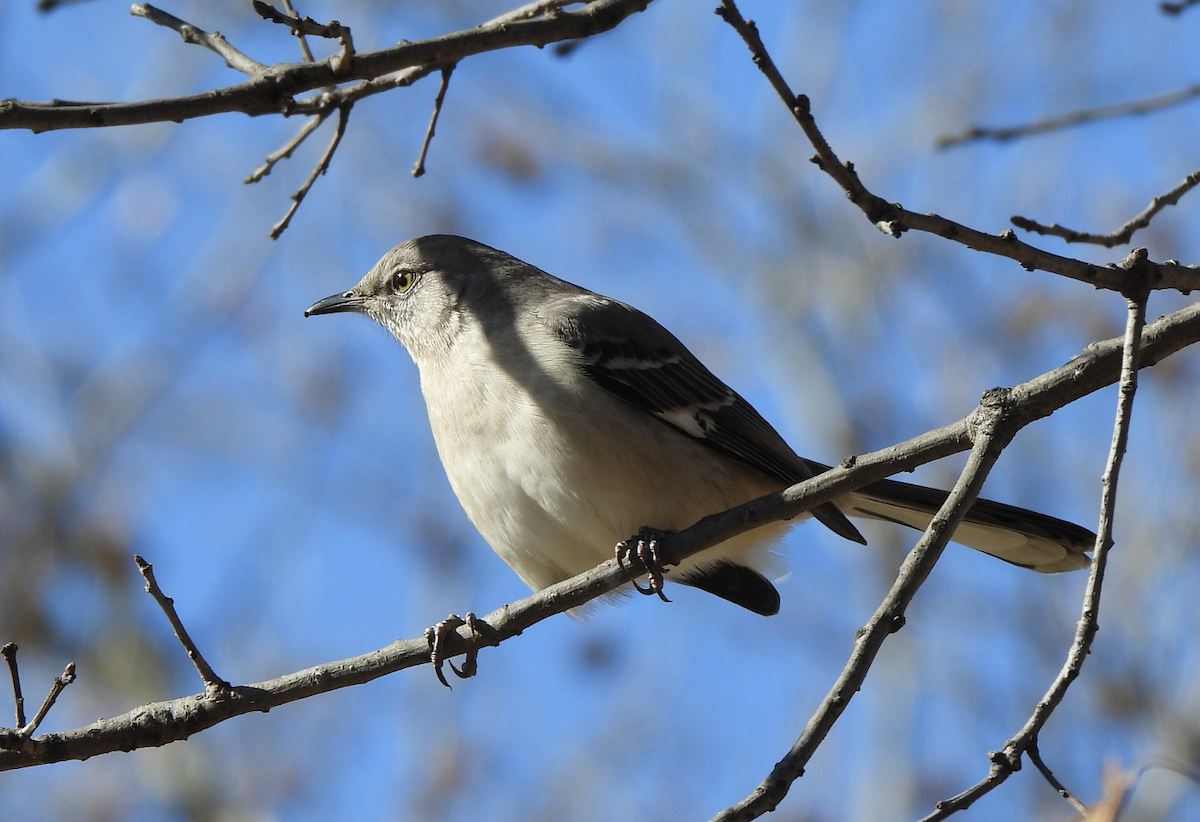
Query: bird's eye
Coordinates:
[402,281]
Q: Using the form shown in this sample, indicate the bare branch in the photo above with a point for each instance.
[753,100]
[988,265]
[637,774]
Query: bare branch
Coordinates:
[893,219]
[1123,234]
[304,49]
[212,683]
[321,167]
[992,432]
[1035,756]
[273,91]
[163,722]
[340,63]
[419,166]
[9,652]
[56,688]
[1008,760]
[334,97]
[191,34]
[1075,118]
[286,151]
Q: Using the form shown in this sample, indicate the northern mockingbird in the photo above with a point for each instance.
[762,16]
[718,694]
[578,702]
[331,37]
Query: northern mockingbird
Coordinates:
[567,421]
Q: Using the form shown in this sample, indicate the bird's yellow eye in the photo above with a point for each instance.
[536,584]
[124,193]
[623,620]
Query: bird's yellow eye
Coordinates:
[403,280]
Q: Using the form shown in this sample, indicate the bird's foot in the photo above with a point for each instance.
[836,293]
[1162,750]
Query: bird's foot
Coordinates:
[643,550]
[437,637]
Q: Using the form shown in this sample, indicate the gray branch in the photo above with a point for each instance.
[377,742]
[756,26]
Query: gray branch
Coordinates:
[213,41]
[163,722]
[1007,761]
[893,219]
[273,90]
[1123,234]
[1072,119]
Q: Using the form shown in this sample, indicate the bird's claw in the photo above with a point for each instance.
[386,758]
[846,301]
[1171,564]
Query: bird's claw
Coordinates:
[437,636]
[643,550]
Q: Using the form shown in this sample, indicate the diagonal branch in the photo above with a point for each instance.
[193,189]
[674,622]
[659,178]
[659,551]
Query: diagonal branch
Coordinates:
[286,151]
[212,683]
[321,167]
[419,166]
[993,431]
[893,219]
[305,51]
[213,41]
[57,686]
[1123,234]
[300,26]
[1075,118]
[1008,760]
[163,722]
[1035,756]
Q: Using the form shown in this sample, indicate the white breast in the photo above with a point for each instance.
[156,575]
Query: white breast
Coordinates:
[554,471]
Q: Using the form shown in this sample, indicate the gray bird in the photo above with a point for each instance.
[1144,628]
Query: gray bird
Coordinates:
[567,421]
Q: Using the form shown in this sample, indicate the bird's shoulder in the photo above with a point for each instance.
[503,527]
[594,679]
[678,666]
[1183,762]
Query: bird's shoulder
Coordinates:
[632,356]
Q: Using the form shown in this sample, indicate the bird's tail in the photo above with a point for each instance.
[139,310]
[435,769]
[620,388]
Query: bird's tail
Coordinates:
[1017,535]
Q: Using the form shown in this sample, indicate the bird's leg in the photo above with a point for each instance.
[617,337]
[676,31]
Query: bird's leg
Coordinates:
[643,549]
[437,635]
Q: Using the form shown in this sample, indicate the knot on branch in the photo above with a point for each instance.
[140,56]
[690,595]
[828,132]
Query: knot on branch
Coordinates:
[1004,762]
[994,407]
[1142,274]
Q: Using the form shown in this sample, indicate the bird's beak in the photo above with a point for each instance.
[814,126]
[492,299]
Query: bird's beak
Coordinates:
[347,301]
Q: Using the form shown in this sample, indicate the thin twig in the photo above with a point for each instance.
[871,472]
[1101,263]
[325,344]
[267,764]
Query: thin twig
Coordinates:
[286,151]
[213,41]
[56,688]
[333,30]
[878,211]
[1035,756]
[321,105]
[419,166]
[321,167]
[304,49]
[1123,234]
[893,219]
[1075,118]
[9,652]
[1007,761]
[212,682]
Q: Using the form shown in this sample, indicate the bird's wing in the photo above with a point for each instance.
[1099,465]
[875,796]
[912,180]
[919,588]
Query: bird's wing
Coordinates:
[633,357]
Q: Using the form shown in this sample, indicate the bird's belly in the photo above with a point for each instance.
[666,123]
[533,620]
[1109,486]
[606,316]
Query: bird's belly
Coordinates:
[553,496]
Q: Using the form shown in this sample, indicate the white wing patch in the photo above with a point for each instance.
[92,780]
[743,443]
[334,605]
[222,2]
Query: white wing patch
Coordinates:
[618,362]
[691,421]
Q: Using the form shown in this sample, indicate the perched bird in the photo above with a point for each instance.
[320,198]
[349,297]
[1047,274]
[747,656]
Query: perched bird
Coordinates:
[567,421]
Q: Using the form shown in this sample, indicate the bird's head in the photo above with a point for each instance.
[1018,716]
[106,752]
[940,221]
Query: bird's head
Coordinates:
[420,289]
